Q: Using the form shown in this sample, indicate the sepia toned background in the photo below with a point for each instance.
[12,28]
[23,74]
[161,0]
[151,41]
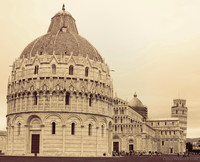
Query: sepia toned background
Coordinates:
[152,46]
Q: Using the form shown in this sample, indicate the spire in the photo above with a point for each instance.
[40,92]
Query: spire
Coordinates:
[135,95]
[63,7]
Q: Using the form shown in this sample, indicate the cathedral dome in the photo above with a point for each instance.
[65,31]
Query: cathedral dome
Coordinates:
[63,39]
[135,102]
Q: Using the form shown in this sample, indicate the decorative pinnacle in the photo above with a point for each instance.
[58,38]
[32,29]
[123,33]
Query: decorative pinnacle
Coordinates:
[135,95]
[63,7]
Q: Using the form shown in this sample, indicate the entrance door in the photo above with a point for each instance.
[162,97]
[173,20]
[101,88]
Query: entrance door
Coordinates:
[171,150]
[35,144]
[116,146]
[131,147]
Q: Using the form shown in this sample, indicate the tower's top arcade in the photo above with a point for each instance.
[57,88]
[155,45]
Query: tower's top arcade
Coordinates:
[179,103]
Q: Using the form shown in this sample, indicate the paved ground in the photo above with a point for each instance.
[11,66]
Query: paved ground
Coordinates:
[101,159]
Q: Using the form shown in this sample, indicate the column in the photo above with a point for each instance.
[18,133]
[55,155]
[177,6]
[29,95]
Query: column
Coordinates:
[87,99]
[57,95]
[70,102]
[82,126]
[107,141]
[110,141]
[50,97]
[26,139]
[42,137]
[97,128]
[17,104]
[64,98]
[98,104]
[20,103]
[63,126]
[77,97]
[43,101]
[12,139]
[38,100]
[7,129]
[25,104]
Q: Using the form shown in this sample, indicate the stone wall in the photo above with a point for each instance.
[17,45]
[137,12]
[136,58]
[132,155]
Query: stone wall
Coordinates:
[63,142]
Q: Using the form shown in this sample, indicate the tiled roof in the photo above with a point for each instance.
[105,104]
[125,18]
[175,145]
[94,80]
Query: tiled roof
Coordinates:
[62,39]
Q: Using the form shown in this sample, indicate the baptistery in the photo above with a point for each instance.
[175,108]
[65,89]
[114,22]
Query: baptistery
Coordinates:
[59,98]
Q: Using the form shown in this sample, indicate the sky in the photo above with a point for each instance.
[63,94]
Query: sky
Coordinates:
[152,46]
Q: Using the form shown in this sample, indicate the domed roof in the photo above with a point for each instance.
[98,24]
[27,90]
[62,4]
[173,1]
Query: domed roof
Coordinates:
[62,38]
[135,102]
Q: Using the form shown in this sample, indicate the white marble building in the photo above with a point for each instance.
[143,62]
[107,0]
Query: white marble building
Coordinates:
[134,131]
[60,103]
[60,96]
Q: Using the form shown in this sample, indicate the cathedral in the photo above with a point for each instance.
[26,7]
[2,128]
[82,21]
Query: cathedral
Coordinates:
[60,103]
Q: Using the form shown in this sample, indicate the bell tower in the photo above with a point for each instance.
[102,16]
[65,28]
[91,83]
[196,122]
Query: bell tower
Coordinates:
[179,110]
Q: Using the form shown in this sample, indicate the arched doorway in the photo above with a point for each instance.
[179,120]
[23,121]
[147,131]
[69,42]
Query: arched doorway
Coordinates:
[34,141]
[116,143]
[131,146]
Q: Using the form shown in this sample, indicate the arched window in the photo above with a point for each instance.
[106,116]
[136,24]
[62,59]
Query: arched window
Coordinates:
[115,120]
[90,101]
[53,128]
[19,128]
[67,99]
[53,69]
[35,98]
[89,129]
[71,69]
[73,129]
[36,69]
[163,143]
[86,71]
[176,111]
[115,128]
[102,130]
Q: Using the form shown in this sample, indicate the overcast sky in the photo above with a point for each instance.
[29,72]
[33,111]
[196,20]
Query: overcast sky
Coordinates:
[153,46]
